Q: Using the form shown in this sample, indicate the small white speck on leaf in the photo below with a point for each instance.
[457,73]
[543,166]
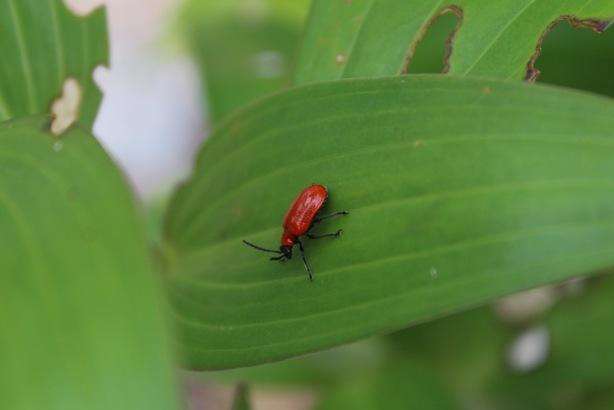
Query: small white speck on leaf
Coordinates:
[434,273]
[57,146]
[65,110]
[340,58]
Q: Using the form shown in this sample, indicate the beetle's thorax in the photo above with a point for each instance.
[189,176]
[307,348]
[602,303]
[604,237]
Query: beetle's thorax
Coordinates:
[287,239]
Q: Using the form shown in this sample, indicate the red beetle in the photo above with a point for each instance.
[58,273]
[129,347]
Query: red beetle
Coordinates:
[299,220]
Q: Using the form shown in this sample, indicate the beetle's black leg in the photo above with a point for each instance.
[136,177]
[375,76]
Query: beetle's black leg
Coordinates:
[278,258]
[325,235]
[307,267]
[321,218]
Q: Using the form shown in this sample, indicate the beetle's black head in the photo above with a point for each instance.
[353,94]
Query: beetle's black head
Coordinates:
[286,251]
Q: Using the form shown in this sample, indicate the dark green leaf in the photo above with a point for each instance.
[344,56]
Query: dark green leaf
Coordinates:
[460,191]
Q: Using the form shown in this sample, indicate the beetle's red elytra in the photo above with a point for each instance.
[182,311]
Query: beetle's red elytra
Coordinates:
[302,212]
[299,220]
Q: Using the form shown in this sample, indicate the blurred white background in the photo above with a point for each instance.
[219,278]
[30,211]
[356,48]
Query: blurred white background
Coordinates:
[151,115]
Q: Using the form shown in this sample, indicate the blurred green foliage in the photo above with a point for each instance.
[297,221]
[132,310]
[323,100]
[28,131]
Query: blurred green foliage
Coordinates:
[246,49]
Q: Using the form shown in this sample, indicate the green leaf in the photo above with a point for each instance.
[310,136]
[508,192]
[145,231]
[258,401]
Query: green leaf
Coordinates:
[376,38]
[42,44]
[460,190]
[83,319]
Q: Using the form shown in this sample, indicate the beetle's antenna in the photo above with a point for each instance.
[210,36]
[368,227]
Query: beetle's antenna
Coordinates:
[260,248]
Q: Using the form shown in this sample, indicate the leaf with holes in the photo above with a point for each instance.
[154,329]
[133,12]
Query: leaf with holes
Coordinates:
[376,38]
[83,320]
[460,190]
[43,44]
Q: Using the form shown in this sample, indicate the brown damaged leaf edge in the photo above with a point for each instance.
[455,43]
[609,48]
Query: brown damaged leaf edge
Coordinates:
[598,26]
[458,12]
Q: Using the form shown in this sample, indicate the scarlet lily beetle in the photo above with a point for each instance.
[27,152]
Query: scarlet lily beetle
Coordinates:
[299,220]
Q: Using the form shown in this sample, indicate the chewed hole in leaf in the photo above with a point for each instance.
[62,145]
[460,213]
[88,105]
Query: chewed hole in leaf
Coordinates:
[83,7]
[430,54]
[65,110]
[100,76]
[574,56]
